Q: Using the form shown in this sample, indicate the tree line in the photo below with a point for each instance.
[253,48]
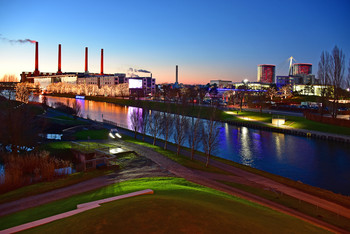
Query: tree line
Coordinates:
[331,75]
[177,127]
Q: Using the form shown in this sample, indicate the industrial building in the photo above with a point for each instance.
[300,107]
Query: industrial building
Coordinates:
[99,79]
[266,73]
[221,83]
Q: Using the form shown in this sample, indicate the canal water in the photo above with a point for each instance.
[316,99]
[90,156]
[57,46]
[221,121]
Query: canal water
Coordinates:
[317,162]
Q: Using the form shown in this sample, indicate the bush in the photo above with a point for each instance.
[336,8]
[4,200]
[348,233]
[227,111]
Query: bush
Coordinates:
[22,170]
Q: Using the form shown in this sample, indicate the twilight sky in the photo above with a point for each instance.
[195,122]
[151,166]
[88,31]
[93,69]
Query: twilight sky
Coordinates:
[222,39]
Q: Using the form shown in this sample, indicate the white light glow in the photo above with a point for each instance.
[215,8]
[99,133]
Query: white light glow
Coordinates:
[135,84]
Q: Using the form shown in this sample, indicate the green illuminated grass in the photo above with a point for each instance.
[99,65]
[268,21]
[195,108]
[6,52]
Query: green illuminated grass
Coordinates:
[93,134]
[43,187]
[292,121]
[176,206]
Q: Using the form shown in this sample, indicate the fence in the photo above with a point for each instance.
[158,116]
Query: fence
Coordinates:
[115,124]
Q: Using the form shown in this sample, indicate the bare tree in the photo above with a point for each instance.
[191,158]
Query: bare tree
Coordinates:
[155,125]
[201,93]
[20,128]
[144,123]
[181,126]
[337,67]
[285,91]
[324,78]
[210,136]
[194,134]
[229,95]
[135,117]
[271,93]
[9,78]
[348,79]
[76,109]
[22,92]
[242,94]
[167,122]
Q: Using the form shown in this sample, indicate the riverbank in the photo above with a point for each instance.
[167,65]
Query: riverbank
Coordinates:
[294,125]
[184,159]
[275,196]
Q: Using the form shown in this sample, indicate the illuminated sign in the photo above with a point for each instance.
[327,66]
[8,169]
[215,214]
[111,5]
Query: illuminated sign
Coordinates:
[135,83]
[79,97]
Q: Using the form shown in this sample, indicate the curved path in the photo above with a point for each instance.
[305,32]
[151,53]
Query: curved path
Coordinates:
[209,180]
[166,165]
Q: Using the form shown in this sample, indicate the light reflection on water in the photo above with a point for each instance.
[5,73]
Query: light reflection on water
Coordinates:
[246,153]
[2,173]
[317,162]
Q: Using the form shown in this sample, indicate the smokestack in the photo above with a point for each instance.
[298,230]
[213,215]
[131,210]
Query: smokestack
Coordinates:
[101,61]
[36,71]
[86,60]
[176,74]
[59,59]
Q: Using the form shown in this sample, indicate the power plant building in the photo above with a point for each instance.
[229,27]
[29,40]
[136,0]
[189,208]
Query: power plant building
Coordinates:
[99,79]
[266,73]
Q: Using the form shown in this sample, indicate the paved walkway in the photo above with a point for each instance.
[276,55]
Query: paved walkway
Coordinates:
[135,168]
[80,208]
[199,177]
[209,180]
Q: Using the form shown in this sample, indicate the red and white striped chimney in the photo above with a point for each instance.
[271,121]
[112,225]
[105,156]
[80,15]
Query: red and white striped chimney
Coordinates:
[59,59]
[36,71]
[86,60]
[101,61]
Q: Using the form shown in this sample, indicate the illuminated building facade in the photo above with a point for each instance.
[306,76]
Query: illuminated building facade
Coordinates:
[302,69]
[266,73]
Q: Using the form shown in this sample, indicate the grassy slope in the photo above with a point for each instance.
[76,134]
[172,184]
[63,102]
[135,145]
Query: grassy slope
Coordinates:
[93,134]
[177,205]
[43,187]
[62,147]
[185,161]
[282,199]
[294,203]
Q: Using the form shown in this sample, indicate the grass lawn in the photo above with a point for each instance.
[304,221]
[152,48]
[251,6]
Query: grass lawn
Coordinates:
[43,187]
[64,147]
[295,204]
[270,195]
[292,121]
[176,206]
[93,134]
[185,161]
[181,159]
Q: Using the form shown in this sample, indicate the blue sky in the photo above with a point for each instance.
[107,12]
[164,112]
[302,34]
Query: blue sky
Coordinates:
[207,39]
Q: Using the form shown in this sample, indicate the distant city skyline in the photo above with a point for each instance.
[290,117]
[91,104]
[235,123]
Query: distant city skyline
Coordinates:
[208,39]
